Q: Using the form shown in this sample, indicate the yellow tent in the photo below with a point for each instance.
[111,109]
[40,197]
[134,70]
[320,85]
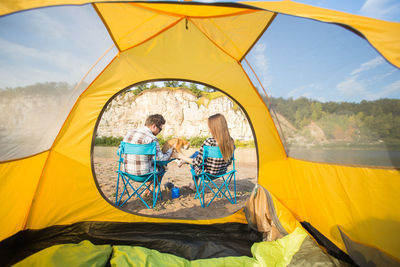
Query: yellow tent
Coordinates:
[207,43]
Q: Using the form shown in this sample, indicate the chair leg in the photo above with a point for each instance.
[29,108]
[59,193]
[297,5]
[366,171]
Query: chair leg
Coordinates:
[136,192]
[157,188]
[234,186]
[227,182]
[196,186]
[123,192]
[116,191]
[199,194]
[223,189]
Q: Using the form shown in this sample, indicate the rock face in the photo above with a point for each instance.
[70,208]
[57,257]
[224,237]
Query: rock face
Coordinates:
[186,114]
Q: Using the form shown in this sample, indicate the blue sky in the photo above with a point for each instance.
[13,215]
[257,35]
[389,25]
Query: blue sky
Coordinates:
[304,58]
[379,9]
[56,44]
[296,57]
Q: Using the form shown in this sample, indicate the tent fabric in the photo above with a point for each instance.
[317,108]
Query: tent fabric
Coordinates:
[227,28]
[363,255]
[367,201]
[17,193]
[59,187]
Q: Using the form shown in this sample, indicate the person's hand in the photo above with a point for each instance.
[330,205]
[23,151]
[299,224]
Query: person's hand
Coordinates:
[175,155]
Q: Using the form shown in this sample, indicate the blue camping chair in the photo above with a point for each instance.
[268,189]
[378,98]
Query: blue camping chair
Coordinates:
[205,180]
[129,180]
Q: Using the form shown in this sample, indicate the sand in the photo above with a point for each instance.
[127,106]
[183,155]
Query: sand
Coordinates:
[186,206]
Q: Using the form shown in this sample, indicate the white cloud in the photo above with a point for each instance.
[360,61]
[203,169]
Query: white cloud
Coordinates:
[351,87]
[308,91]
[386,91]
[381,9]
[373,63]
[355,86]
[381,76]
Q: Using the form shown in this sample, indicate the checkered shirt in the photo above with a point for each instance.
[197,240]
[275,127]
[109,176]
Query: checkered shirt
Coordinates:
[142,164]
[212,166]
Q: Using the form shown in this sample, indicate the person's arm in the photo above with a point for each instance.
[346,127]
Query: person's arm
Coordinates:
[160,155]
[185,158]
[198,160]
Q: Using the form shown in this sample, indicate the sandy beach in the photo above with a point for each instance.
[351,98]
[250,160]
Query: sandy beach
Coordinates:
[186,206]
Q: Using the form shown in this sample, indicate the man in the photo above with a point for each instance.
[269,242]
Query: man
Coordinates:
[142,164]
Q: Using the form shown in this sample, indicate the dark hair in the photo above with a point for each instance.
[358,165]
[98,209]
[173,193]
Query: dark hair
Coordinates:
[156,119]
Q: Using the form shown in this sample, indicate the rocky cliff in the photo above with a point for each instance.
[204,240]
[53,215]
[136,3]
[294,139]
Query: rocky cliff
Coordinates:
[185,113]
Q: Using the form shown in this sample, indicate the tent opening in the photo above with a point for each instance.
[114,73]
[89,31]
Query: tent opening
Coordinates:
[186,107]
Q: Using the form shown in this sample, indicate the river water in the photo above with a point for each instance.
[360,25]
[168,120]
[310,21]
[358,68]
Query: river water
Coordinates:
[349,157]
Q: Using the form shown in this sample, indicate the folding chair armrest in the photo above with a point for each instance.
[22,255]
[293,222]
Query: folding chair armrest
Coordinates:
[164,162]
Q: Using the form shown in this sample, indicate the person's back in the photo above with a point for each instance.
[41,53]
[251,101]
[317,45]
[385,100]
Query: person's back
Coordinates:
[142,164]
[220,137]
[212,166]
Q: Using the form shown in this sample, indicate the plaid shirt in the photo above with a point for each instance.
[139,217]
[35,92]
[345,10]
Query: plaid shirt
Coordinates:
[212,166]
[142,164]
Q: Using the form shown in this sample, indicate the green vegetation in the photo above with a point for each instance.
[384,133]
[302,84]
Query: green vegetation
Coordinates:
[192,87]
[47,88]
[115,141]
[249,144]
[203,94]
[107,141]
[196,141]
[363,122]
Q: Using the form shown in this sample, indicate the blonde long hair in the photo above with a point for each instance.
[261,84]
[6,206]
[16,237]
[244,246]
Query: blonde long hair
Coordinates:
[219,130]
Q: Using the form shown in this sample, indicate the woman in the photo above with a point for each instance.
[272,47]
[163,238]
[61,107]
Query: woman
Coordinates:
[221,138]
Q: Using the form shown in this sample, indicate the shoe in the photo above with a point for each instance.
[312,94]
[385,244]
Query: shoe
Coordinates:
[192,187]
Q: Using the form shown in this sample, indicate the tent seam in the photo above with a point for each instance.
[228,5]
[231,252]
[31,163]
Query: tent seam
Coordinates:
[223,34]
[36,190]
[261,34]
[386,168]
[106,25]
[269,102]
[26,157]
[181,15]
[262,100]
[211,40]
[155,35]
